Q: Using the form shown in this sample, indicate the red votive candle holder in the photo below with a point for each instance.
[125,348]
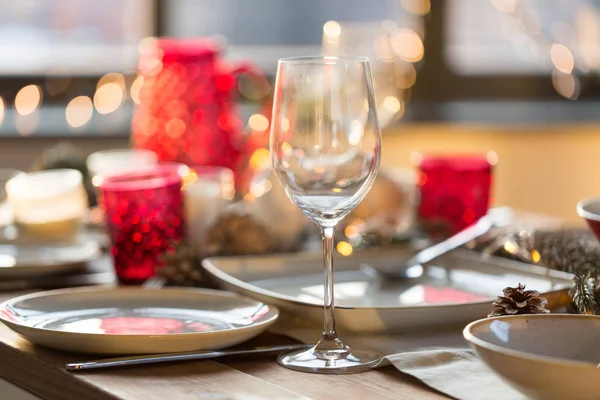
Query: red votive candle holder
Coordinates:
[144,218]
[454,191]
[187,111]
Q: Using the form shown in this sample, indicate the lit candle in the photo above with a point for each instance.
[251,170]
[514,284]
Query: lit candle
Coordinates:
[48,205]
[208,191]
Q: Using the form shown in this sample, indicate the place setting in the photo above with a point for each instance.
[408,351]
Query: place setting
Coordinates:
[291,250]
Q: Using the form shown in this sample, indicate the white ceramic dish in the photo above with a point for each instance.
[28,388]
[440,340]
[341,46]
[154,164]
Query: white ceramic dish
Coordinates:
[546,357]
[136,320]
[456,289]
[18,259]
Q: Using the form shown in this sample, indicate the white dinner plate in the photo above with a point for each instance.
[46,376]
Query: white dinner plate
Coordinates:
[18,260]
[136,320]
[453,290]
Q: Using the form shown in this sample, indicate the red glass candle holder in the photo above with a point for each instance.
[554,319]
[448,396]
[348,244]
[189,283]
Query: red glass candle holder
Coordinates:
[454,192]
[187,110]
[144,218]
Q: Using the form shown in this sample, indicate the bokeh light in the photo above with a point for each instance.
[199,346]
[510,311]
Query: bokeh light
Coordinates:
[135,89]
[566,85]
[108,98]
[260,159]
[28,99]
[407,45]
[392,104]
[258,122]
[344,248]
[79,111]
[562,58]
[332,29]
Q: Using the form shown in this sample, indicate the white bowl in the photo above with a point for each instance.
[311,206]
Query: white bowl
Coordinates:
[545,356]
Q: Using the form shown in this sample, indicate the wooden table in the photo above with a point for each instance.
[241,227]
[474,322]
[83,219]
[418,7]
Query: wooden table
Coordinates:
[40,371]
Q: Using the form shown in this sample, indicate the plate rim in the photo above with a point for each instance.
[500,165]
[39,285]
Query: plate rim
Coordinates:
[273,310]
[25,270]
[208,265]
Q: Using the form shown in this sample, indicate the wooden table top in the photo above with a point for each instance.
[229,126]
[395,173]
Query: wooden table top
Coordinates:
[41,372]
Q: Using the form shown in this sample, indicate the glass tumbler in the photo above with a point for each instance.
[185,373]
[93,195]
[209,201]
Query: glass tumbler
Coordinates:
[144,218]
[454,191]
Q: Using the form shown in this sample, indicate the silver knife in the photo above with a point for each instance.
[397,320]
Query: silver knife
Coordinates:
[184,356]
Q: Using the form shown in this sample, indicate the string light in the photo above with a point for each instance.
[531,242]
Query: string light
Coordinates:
[562,58]
[332,29]
[407,45]
[344,248]
[258,122]
[260,159]
[108,98]
[79,111]
[28,99]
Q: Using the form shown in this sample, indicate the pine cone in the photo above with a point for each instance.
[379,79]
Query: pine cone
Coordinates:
[519,301]
[181,266]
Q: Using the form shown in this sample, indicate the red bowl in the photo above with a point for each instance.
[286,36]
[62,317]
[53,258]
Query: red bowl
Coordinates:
[589,210]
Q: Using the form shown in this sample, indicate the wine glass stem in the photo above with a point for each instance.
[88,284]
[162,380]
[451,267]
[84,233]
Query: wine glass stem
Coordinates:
[330,346]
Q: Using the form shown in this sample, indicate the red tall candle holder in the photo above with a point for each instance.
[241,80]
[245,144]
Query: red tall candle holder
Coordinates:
[454,191]
[144,217]
[186,110]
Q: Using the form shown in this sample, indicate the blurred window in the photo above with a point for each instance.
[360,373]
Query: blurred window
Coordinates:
[522,36]
[458,60]
[80,37]
[265,30]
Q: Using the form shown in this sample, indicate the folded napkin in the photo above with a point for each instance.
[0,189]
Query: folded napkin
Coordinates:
[440,359]
[455,372]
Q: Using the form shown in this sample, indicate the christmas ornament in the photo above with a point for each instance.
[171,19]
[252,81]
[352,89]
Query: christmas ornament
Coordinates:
[519,301]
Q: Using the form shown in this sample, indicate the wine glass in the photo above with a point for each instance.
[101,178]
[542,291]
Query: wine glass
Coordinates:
[325,147]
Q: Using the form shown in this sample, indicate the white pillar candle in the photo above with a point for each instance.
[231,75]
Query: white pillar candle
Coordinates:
[208,191]
[48,205]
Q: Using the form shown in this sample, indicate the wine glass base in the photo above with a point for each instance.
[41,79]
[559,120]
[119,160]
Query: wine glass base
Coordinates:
[351,363]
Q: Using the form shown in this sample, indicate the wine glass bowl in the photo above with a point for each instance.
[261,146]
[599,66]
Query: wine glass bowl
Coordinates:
[326,147]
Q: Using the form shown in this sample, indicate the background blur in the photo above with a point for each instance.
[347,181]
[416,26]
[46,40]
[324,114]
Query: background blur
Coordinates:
[519,77]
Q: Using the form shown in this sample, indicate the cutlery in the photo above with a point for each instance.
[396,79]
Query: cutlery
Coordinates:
[173,357]
[412,268]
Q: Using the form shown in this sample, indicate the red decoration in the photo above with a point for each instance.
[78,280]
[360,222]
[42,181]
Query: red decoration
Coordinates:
[144,216]
[150,326]
[187,110]
[455,192]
